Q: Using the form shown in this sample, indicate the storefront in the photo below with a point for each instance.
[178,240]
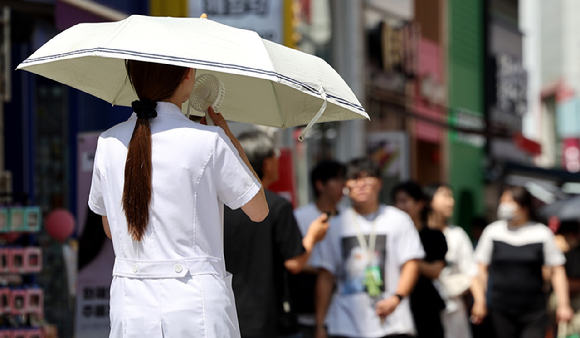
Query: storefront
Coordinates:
[41,122]
[429,102]
[391,67]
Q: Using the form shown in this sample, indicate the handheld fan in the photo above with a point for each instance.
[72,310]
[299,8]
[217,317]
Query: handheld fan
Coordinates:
[208,91]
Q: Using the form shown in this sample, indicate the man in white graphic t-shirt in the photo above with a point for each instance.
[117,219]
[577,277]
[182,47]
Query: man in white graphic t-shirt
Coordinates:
[371,254]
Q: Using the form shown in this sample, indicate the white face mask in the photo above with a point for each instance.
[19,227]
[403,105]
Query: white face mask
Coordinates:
[506,211]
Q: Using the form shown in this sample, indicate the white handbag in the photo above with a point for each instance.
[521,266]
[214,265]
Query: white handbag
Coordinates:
[455,284]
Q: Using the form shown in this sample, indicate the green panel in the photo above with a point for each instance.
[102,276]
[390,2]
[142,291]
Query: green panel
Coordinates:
[466,54]
[466,178]
[466,92]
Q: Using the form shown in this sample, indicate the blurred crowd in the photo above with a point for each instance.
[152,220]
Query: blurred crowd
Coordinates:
[347,265]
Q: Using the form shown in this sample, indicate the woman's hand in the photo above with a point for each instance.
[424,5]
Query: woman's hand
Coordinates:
[564,313]
[478,313]
[218,120]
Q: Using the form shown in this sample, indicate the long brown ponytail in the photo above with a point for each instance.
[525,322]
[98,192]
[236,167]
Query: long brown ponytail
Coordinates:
[152,82]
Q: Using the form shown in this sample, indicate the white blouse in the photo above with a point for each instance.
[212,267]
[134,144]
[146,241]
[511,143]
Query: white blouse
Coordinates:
[172,283]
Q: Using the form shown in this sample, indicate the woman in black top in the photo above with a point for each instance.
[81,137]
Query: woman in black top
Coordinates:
[426,304]
[513,251]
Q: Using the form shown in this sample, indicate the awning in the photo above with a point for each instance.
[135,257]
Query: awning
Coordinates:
[68,13]
[529,146]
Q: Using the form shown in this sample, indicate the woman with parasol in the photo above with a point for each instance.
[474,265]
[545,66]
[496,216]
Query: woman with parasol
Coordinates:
[160,182]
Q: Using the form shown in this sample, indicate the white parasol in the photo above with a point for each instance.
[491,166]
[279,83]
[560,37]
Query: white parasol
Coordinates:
[266,83]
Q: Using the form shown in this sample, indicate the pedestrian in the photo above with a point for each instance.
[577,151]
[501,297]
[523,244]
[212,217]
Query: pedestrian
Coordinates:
[568,241]
[426,303]
[514,250]
[372,253]
[458,276]
[261,255]
[160,182]
[327,182]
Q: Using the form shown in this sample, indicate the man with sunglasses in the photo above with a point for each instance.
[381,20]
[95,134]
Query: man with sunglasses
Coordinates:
[368,264]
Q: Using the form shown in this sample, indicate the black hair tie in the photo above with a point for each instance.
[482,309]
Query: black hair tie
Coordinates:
[145,108]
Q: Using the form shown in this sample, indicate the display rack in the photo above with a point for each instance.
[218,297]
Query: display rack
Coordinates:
[21,300]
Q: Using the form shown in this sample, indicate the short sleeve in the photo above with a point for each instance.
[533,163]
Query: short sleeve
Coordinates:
[466,261]
[484,248]
[96,201]
[326,253]
[408,243]
[301,214]
[438,247]
[287,235]
[235,183]
[552,255]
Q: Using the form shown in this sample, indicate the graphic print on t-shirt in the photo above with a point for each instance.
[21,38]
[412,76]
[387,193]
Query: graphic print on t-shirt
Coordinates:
[352,279]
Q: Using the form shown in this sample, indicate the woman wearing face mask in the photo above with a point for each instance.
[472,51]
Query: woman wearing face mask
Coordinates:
[458,276]
[513,250]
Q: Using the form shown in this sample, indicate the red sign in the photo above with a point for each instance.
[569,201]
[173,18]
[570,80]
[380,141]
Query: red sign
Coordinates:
[285,186]
[429,91]
[571,154]
[527,145]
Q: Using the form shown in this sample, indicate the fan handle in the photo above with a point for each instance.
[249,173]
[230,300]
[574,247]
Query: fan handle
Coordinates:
[208,120]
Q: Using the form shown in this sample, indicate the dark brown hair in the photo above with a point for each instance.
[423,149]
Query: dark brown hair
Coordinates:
[155,82]
[524,199]
[429,193]
[360,167]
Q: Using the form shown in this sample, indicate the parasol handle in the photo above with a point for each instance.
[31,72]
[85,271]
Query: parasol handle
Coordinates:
[316,117]
[208,119]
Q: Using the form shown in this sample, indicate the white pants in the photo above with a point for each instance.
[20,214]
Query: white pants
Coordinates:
[456,323]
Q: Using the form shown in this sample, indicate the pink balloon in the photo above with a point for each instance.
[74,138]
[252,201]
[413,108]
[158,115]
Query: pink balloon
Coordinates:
[60,224]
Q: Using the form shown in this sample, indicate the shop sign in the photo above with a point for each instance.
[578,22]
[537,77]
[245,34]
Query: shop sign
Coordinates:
[262,16]
[399,47]
[432,91]
[390,150]
[571,154]
[430,75]
[463,118]
[510,99]
[568,117]
[429,97]
[391,81]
